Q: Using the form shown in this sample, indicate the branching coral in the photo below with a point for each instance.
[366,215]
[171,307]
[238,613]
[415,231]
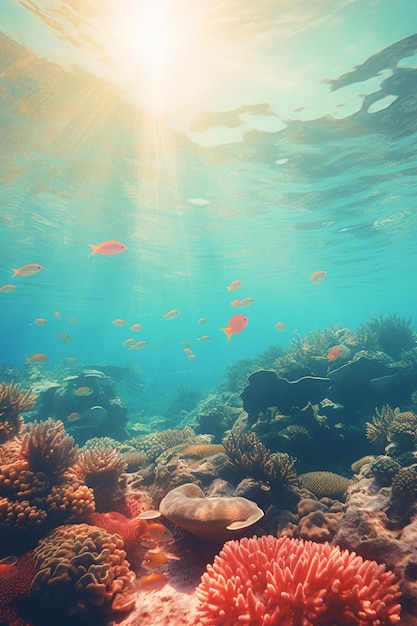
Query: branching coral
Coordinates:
[392,426]
[13,402]
[391,334]
[83,569]
[48,448]
[266,581]
[251,457]
[377,430]
[101,467]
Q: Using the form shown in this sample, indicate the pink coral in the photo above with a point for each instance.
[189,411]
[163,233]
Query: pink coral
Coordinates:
[268,581]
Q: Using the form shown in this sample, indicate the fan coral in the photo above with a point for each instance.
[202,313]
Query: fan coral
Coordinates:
[266,581]
[13,402]
[325,484]
[48,448]
[208,518]
[83,569]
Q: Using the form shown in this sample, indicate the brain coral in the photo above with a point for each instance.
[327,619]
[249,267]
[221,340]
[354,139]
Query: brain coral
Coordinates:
[325,484]
[83,569]
[267,581]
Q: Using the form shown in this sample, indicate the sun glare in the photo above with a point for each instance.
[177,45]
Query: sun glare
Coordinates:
[153,38]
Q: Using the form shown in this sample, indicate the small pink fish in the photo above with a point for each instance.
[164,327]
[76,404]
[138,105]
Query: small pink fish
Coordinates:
[37,358]
[203,338]
[7,288]
[138,345]
[136,327]
[171,314]
[235,304]
[119,322]
[318,277]
[27,270]
[234,285]
[107,248]
[245,302]
[280,327]
[236,324]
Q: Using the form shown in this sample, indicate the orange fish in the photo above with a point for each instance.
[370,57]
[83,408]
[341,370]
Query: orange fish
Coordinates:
[245,302]
[152,582]
[65,337]
[27,270]
[202,320]
[318,277]
[235,304]
[188,351]
[334,353]
[171,314]
[192,356]
[138,345]
[57,315]
[154,558]
[83,391]
[7,288]
[73,417]
[280,327]
[37,358]
[7,567]
[107,248]
[41,321]
[203,338]
[158,532]
[129,341]
[119,322]
[234,285]
[235,325]
[136,327]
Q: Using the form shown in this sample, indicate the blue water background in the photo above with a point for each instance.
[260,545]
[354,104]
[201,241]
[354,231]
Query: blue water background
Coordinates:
[82,164]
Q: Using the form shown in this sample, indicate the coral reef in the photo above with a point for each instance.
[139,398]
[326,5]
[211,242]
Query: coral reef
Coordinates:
[251,458]
[213,519]
[267,581]
[38,489]
[389,333]
[155,444]
[48,449]
[13,402]
[83,569]
[325,484]
[100,467]
[92,399]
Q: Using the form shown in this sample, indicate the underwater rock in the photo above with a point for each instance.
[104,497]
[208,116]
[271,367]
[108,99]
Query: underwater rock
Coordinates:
[267,389]
[381,527]
[216,518]
[367,381]
[88,404]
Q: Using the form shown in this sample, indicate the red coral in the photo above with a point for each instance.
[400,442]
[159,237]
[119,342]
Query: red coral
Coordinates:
[131,530]
[14,591]
[267,581]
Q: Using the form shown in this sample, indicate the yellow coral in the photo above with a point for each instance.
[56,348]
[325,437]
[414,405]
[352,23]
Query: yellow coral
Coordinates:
[199,450]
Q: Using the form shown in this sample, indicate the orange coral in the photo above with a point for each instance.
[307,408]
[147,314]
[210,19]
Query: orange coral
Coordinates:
[266,581]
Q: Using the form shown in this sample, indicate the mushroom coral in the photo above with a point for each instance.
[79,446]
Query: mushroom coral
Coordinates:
[266,581]
[210,518]
[83,569]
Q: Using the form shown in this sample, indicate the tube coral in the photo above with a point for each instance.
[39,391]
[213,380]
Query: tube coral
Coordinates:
[266,581]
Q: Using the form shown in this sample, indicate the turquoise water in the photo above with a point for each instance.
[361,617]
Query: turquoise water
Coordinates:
[267,145]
